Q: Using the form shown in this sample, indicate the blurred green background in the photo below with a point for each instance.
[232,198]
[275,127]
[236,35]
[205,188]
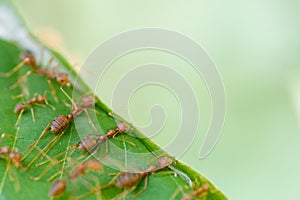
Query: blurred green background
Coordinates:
[255,46]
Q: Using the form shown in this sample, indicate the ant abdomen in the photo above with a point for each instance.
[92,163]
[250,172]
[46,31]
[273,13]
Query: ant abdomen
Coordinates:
[58,188]
[19,107]
[29,57]
[60,123]
[87,144]
[128,179]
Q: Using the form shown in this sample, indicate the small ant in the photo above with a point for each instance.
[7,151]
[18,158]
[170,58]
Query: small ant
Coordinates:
[132,179]
[9,154]
[21,106]
[59,186]
[29,59]
[59,125]
[196,193]
[12,156]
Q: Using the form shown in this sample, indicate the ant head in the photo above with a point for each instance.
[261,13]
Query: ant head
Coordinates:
[41,98]
[122,127]
[88,101]
[70,116]
[16,158]
[102,137]
[29,57]
[205,187]
[62,79]
[164,162]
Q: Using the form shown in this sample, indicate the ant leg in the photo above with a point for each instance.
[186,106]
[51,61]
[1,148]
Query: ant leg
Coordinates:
[143,190]
[90,119]
[56,67]
[50,61]
[13,177]
[41,55]
[32,115]
[97,188]
[94,110]
[40,105]
[89,156]
[125,193]
[45,170]
[71,100]
[3,135]
[43,150]
[115,116]
[73,190]
[54,175]
[174,195]
[57,173]
[19,118]
[52,91]
[85,183]
[46,101]
[18,96]
[34,144]
[97,184]
[81,157]
[88,185]
[51,106]
[15,69]
[53,142]
[123,140]
[58,155]
[20,80]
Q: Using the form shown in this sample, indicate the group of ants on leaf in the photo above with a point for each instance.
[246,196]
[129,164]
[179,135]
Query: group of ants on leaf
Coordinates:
[126,180]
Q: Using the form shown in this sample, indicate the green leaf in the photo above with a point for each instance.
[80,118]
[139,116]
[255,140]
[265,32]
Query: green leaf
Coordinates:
[130,151]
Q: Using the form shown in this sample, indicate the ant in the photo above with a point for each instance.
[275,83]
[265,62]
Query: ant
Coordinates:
[11,156]
[59,186]
[196,193]
[132,179]
[28,58]
[89,144]
[21,106]
[59,125]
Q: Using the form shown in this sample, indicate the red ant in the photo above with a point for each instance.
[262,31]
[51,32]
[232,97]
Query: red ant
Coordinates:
[196,193]
[11,156]
[132,179]
[59,125]
[21,106]
[29,59]
[59,186]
